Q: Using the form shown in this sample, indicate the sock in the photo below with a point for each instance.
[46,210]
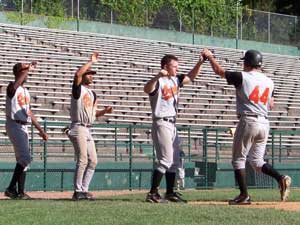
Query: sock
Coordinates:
[170,180]
[16,176]
[240,177]
[269,170]
[156,178]
[21,183]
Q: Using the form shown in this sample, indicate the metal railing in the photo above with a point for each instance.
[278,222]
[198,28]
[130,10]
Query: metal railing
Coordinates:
[283,145]
[121,143]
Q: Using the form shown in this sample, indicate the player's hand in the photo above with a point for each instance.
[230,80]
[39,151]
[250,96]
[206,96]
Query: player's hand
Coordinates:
[108,109]
[231,131]
[206,54]
[32,65]
[94,57]
[201,58]
[163,73]
[44,135]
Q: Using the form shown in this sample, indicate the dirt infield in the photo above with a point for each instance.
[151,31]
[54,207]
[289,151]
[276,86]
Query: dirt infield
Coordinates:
[68,194]
[287,206]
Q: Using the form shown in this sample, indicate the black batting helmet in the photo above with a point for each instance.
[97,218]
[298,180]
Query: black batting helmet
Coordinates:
[253,58]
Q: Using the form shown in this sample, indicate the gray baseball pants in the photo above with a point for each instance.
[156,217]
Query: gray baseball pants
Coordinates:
[167,145]
[18,135]
[250,139]
[86,156]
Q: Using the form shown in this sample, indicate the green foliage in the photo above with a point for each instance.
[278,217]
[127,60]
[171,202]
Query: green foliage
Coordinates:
[49,8]
[54,21]
[210,17]
[21,19]
[128,14]
[13,17]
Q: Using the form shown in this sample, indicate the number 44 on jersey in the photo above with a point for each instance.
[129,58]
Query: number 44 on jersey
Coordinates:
[256,97]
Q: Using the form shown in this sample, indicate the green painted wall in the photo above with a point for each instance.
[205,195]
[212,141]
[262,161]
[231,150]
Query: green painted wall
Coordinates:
[225,177]
[115,175]
[108,176]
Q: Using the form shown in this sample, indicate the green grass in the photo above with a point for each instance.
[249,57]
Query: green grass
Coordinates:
[131,209]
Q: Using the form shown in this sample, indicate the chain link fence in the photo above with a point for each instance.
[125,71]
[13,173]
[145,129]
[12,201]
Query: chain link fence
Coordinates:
[225,21]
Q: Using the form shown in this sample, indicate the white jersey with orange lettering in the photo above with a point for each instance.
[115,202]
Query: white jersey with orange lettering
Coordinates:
[164,101]
[17,119]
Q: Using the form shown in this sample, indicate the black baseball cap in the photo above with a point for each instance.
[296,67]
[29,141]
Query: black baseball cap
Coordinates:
[17,68]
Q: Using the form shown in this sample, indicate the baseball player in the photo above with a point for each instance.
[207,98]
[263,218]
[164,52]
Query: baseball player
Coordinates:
[254,98]
[83,112]
[163,91]
[18,117]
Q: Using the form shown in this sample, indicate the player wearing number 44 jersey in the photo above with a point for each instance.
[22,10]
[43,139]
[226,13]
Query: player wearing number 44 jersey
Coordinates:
[254,97]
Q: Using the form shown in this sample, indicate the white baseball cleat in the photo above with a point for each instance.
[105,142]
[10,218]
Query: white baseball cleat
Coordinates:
[284,186]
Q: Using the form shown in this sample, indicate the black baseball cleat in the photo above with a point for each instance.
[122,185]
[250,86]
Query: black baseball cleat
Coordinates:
[155,198]
[23,196]
[89,196]
[79,196]
[240,200]
[11,193]
[175,197]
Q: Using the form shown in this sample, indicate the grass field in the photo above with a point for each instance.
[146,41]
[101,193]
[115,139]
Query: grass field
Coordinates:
[131,209]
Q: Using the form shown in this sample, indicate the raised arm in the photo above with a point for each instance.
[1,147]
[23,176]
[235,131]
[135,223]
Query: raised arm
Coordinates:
[194,72]
[79,73]
[151,84]
[20,76]
[217,68]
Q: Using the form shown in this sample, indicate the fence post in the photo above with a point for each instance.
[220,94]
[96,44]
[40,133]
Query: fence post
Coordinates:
[237,25]
[22,11]
[193,24]
[273,152]
[147,13]
[116,141]
[273,146]
[130,157]
[189,143]
[32,140]
[45,157]
[78,16]
[269,27]
[280,146]
[217,146]
[204,153]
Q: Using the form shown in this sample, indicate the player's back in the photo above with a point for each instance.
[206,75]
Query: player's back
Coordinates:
[255,93]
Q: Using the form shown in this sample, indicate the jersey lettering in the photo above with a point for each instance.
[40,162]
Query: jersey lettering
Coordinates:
[265,95]
[23,100]
[255,95]
[87,101]
[168,93]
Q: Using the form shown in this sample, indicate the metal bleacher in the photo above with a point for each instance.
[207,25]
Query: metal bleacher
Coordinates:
[124,67]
